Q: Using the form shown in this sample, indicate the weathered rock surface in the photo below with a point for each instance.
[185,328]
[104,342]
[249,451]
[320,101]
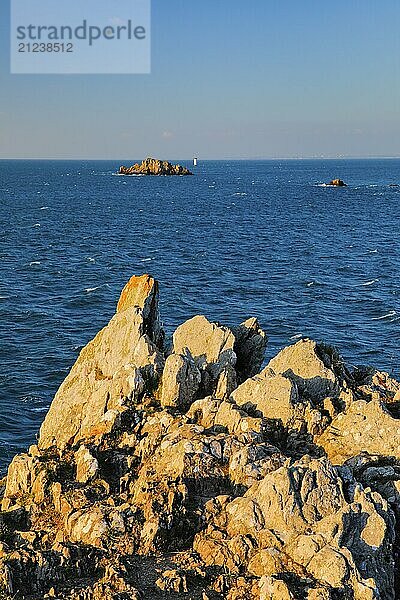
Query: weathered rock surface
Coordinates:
[304,520]
[250,344]
[315,368]
[153,166]
[212,348]
[181,381]
[142,292]
[192,473]
[109,371]
[364,427]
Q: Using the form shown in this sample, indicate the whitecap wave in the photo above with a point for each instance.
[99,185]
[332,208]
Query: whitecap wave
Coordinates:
[89,290]
[143,260]
[367,283]
[34,262]
[390,314]
[297,336]
[123,174]
[43,208]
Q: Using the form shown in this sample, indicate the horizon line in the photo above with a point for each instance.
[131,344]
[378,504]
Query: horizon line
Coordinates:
[238,159]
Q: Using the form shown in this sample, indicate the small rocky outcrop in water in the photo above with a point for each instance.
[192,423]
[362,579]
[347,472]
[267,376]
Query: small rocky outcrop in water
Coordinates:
[193,473]
[153,166]
[337,183]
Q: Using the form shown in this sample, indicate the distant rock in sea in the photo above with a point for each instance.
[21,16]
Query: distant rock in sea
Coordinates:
[191,472]
[338,183]
[153,166]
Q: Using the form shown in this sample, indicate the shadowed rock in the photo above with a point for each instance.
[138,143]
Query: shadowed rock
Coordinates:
[316,369]
[211,346]
[142,292]
[250,344]
[180,382]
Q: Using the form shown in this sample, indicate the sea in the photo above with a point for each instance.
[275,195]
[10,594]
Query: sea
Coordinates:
[238,239]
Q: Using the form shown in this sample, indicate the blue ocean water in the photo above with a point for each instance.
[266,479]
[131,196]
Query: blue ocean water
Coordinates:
[238,239]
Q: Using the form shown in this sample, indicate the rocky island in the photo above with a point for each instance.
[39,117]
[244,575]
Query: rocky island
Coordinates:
[337,183]
[153,166]
[191,472]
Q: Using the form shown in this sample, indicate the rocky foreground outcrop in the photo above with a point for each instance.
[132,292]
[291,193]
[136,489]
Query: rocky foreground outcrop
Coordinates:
[188,471]
[153,166]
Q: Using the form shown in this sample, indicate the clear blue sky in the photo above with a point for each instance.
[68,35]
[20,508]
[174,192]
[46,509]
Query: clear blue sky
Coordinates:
[230,79]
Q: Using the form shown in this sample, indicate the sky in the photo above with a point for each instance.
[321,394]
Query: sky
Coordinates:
[229,80]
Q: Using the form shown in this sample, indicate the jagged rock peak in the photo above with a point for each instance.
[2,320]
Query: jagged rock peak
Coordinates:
[142,291]
[110,370]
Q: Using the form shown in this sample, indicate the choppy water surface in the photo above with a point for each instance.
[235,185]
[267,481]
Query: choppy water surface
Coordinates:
[237,239]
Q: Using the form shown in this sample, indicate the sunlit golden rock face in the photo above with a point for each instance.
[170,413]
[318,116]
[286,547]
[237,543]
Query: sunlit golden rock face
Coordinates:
[188,469]
[153,166]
